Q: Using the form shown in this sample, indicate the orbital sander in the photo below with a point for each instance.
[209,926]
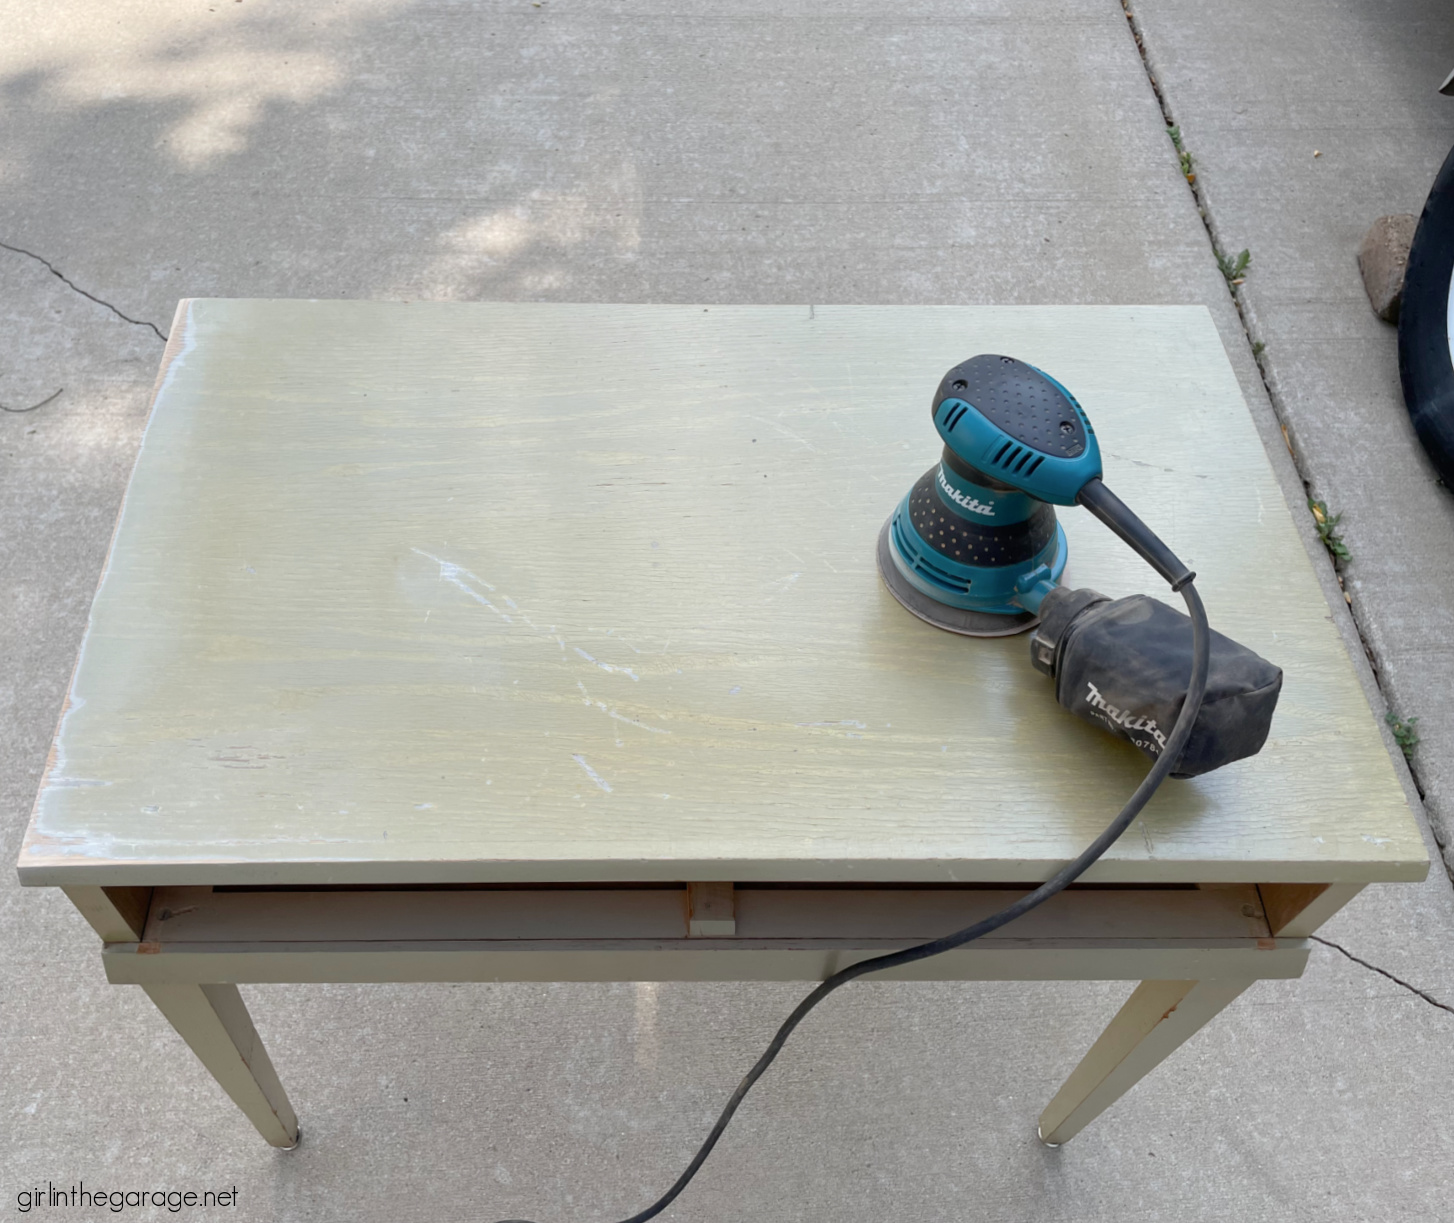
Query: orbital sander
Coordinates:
[975,548]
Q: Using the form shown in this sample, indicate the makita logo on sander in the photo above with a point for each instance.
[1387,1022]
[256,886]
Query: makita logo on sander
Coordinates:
[1123,717]
[971,504]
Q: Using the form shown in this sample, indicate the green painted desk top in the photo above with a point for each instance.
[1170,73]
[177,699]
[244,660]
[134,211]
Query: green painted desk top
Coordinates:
[439,592]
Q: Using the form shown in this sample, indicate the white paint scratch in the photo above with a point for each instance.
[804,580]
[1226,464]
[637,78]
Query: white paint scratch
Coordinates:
[463,579]
[450,572]
[586,699]
[605,666]
[592,774]
[849,722]
[786,432]
[621,717]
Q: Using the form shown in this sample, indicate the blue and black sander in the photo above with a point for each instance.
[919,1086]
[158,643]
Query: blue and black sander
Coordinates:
[975,548]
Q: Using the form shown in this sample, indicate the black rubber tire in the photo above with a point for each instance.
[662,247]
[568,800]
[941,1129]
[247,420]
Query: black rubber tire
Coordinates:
[1426,367]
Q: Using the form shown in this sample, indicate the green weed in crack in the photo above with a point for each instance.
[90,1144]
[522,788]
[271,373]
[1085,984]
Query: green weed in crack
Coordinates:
[1327,524]
[1234,268]
[1404,733]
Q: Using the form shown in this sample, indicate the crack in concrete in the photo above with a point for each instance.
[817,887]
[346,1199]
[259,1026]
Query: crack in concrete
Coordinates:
[1413,989]
[21,411]
[1275,399]
[70,284]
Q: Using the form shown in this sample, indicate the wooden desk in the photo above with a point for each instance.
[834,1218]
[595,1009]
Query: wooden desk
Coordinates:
[544,642]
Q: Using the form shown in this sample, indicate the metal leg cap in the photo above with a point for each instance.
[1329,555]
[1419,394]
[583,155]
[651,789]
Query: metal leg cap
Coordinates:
[1040,1134]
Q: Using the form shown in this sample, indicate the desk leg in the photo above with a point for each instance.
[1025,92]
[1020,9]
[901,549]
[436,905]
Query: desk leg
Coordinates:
[1156,1019]
[214,1021]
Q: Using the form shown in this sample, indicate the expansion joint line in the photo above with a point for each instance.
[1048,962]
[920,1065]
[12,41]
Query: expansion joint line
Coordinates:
[1273,397]
[1413,989]
[65,280]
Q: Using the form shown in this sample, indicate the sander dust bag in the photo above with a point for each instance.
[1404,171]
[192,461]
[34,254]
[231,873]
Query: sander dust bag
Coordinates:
[1125,664]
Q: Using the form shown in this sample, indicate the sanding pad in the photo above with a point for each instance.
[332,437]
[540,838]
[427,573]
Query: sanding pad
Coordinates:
[941,615]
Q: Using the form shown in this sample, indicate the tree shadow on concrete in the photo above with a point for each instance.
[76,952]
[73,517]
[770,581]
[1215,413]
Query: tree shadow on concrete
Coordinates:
[411,149]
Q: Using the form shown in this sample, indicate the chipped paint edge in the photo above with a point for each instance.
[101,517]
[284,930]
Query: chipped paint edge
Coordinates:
[180,342]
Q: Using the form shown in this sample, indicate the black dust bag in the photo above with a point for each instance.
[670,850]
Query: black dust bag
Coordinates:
[1125,664]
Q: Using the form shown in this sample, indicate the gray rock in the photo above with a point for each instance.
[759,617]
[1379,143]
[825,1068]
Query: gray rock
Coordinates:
[1382,259]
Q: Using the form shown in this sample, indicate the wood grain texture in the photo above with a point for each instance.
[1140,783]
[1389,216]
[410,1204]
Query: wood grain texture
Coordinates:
[452,592]
[711,910]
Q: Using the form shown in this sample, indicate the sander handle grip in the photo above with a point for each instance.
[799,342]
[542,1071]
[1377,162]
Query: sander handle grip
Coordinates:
[1119,516]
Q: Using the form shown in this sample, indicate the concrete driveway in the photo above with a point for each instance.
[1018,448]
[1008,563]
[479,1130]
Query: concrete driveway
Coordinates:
[845,151]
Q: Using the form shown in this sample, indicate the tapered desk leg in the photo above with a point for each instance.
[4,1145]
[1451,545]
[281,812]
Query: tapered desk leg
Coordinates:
[214,1021]
[1156,1019]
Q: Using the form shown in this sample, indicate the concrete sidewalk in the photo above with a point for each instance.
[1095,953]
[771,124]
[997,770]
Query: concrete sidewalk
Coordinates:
[964,151]
[1356,88]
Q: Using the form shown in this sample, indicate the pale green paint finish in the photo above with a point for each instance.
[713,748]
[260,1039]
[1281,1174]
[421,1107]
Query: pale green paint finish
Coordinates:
[439,592]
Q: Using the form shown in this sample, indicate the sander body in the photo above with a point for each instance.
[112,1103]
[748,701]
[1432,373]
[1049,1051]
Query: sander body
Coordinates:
[975,548]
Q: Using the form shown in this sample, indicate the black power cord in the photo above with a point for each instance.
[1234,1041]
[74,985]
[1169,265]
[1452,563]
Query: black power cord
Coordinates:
[1181,732]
